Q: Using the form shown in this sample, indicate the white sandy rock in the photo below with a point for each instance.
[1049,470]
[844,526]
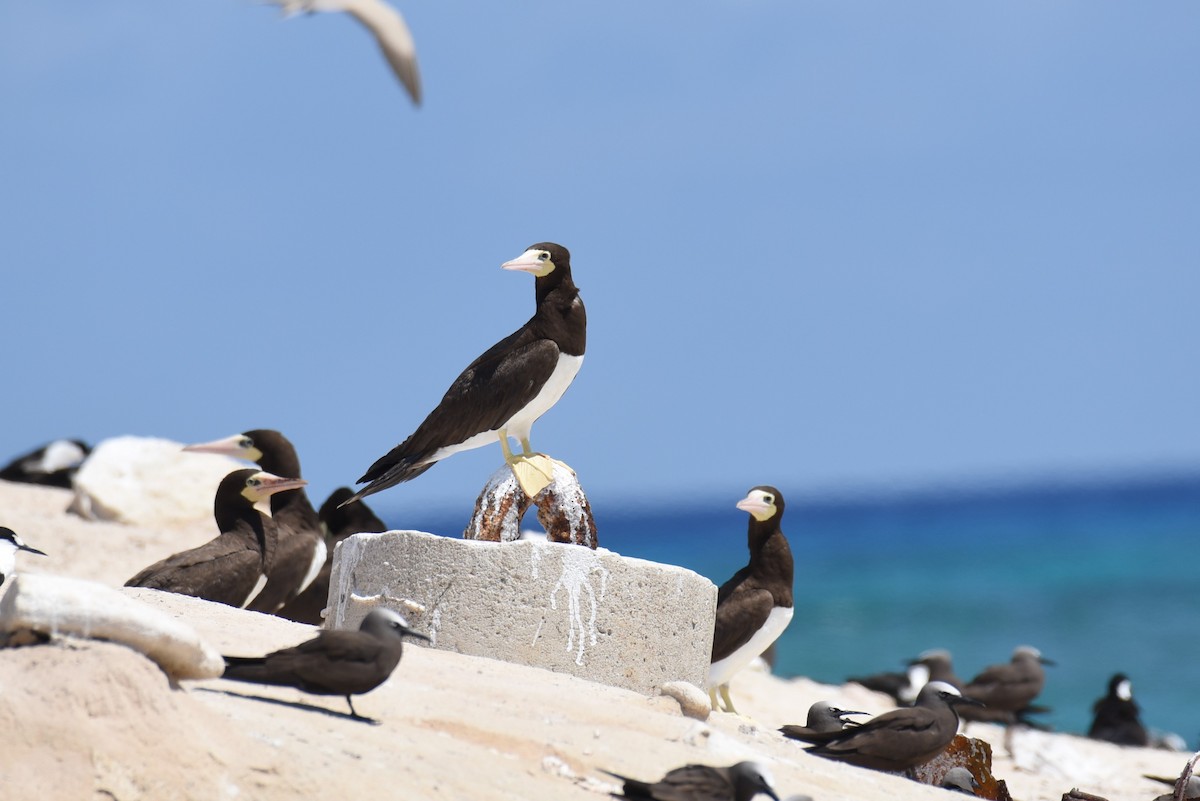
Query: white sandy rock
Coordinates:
[148,482]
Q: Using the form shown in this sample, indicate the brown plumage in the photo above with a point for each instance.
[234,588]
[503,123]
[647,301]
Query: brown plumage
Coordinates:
[1007,689]
[335,662]
[232,568]
[825,722]
[740,782]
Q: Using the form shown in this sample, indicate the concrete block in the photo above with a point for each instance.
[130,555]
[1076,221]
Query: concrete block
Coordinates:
[591,613]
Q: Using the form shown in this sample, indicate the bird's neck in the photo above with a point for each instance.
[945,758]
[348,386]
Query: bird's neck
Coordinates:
[770,554]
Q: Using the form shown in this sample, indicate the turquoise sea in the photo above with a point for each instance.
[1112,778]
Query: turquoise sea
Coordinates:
[1101,576]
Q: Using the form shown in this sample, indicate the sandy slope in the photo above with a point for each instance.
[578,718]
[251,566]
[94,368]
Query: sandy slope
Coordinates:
[88,720]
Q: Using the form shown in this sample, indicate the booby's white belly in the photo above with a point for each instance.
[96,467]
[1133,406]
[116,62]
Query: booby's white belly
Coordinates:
[318,562]
[723,670]
[521,423]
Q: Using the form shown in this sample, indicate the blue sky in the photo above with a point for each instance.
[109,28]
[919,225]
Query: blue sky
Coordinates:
[830,246]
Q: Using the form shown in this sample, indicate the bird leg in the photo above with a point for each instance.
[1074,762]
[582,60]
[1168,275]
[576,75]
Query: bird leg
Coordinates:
[354,714]
[728,701]
[534,471]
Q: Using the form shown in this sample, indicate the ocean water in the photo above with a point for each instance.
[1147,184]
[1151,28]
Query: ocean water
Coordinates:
[1100,577]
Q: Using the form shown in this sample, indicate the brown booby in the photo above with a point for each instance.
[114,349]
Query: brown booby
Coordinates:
[52,465]
[10,543]
[903,738]
[334,662]
[503,392]
[300,542]
[231,569]
[1006,690]
[339,522]
[755,605]
[740,782]
[1116,717]
[384,23]
[823,719]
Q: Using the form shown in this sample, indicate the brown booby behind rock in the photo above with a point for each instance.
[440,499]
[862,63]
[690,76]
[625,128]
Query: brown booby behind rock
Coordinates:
[231,569]
[10,543]
[334,662]
[740,782]
[300,541]
[339,522]
[903,738]
[503,392]
[755,605]
[824,721]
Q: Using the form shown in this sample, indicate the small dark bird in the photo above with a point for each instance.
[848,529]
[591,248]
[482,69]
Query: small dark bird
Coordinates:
[755,605]
[1007,690]
[503,392]
[1116,717]
[10,543]
[52,465]
[740,782]
[903,738]
[231,569]
[824,719]
[299,539]
[334,662]
[339,522]
[931,665]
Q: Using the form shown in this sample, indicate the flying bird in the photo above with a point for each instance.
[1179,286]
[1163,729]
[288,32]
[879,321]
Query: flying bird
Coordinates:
[503,392]
[385,24]
[335,662]
[232,568]
[10,543]
[299,546]
[755,605]
[740,782]
[903,738]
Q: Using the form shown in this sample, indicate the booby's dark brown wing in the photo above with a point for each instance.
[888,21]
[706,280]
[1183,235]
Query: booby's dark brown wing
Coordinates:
[737,622]
[224,570]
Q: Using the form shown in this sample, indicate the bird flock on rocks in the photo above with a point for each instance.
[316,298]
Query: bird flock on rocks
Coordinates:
[272,551]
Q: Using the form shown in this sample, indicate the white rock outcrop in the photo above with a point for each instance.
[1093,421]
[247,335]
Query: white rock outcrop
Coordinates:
[148,482]
[591,613]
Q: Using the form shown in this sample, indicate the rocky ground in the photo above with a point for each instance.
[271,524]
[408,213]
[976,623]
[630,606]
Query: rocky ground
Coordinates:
[87,719]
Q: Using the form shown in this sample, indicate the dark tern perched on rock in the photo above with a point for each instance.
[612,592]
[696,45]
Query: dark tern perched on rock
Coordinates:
[824,719]
[1116,717]
[903,738]
[10,543]
[384,23]
[299,539]
[755,605]
[503,392]
[740,782]
[1007,690]
[232,568]
[334,662]
[339,522]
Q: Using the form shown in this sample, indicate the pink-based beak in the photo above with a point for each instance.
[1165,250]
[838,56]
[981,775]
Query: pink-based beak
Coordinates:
[527,262]
[225,447]
[753,506]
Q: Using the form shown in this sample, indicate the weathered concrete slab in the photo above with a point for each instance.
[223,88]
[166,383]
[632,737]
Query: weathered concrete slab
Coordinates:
[591,613]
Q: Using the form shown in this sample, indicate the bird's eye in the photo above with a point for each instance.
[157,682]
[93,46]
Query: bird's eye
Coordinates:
[769,498]
[246,443]
[252,482]
[543,256]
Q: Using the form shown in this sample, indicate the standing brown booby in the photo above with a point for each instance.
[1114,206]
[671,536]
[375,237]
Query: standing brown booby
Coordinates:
[503,392]
[334,662]
[10,543]
[339,522]
[903,738]
[231,569]
[824,721]
[300,543]
[740,782]
[755,605]
[1007,690]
